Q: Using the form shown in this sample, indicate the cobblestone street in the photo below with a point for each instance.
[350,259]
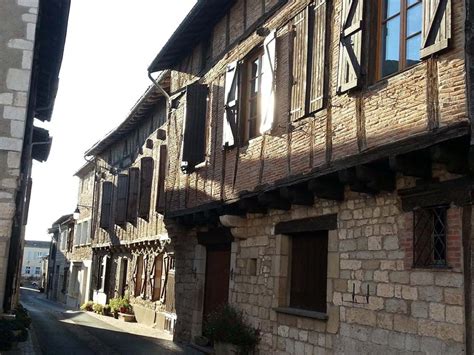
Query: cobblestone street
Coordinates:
[61,331]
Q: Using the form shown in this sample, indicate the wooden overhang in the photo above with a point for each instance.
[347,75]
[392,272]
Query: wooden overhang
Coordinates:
[139,112]
[197,24]
[50,38]
[371,172]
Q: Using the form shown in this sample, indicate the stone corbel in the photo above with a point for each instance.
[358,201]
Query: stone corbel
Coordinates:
[236,224]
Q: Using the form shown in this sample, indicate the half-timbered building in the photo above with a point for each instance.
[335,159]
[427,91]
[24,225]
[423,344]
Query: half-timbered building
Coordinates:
[319,172]
[131,253]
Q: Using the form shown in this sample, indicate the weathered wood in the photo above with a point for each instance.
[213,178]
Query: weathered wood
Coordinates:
[326,222]
[273,200]
[376,178]
[215,236]
[252,205]
[458,191]
[327,188]
[297,195]
[349,177]
[416,164]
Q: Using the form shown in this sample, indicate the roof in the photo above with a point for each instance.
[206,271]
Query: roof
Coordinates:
[37,244]
[49,48]
[196,25]
[85,169]
[62,219]
[138,113]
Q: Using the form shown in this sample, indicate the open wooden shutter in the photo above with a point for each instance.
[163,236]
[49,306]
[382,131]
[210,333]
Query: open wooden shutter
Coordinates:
[167,260]
[160,198]
[350,48]
[436,31]
[144,277]
[133,190]
[268,83]
[299,65]
[194,139]
[121,205]
[135,274]
[151,279]
[231,97]
[146,178]
[26,208]
[318,56]
[106,205]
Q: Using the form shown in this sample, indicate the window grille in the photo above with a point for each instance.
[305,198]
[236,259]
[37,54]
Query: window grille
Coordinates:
[429,244]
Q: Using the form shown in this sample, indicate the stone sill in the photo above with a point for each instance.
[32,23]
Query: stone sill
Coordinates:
[302,313]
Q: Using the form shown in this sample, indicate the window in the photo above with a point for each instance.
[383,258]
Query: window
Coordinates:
[27,270]
[251,95]
[146,179]
[429,242]
[400,26]
[37,270]
[308,283]
[106,205]
[156,277]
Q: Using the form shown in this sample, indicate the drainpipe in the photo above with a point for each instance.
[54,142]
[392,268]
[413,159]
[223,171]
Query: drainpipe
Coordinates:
[165,94]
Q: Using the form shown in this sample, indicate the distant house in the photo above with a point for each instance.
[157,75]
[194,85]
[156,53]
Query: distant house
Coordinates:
[33,253]
[62,235]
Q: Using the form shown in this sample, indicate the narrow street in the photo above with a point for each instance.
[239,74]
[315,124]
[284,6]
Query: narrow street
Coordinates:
[62,331]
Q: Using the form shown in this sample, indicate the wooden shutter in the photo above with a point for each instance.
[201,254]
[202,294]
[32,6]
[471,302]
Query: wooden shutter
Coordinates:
[146,178]
[167,260]
[436,31]
[144,277]
[133,190]
[350,47]
[106,205]
[160,198]
[135,275]
[231,97]
[318,55]
[121,205]
[156,277]
[268,83]
[194,139]
[299,63]
[26,208]
[78,234]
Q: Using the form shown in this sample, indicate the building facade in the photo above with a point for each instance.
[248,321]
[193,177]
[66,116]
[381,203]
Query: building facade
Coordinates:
[62,237]
[32,42]
[33,254]
[131,253]
[319,172]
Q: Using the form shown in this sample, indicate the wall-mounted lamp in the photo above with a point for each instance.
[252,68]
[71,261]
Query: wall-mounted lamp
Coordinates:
[77,211]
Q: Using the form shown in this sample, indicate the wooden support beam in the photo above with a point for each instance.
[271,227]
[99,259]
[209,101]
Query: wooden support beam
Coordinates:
[297,195]
[252,205]
[376,179]
[328,188]
[231,209]
[273,200]
[349,177]
[417,164]
[453,154]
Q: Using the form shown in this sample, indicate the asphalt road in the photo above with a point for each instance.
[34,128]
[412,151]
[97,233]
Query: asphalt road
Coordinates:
[61,331]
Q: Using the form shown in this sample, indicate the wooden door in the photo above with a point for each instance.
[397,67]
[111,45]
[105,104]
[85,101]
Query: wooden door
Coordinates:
[216,291]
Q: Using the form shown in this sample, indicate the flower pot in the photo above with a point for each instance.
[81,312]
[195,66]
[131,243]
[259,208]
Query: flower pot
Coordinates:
[127,317]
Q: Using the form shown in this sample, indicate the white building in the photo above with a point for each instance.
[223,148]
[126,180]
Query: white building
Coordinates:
[33,253]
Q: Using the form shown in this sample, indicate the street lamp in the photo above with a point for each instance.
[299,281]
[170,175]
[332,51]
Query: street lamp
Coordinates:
[77,211]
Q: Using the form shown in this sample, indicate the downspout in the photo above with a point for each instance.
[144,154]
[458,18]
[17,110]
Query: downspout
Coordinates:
[163,91]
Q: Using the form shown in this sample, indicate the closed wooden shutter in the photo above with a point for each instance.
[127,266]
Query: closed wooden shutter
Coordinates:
[156,277]
[231,97]
[138,275]
[299,65]
[26,209]
[160,198]
[78,234]
[194,140]
[121,205]
[436,31]
[144,277]
[146,179]
[350,48]
[133,191]
[268,83]
[318,55]
[106,205]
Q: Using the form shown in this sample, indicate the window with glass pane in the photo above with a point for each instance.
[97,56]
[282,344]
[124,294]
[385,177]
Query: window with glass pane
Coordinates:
[399,35]
[252,91]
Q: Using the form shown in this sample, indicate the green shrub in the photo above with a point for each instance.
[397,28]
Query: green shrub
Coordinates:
[88,306]
[227,325]
[106,310]
[98,308]
[120,304]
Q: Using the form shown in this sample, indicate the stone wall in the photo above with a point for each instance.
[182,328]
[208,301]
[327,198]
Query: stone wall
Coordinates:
[409,310]
[17,26]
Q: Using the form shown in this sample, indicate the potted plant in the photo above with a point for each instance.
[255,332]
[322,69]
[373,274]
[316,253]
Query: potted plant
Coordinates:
[121,308]
[87,306]
[229,332]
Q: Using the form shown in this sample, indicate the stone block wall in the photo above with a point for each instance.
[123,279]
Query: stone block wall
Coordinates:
[17,28]
[409,310]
